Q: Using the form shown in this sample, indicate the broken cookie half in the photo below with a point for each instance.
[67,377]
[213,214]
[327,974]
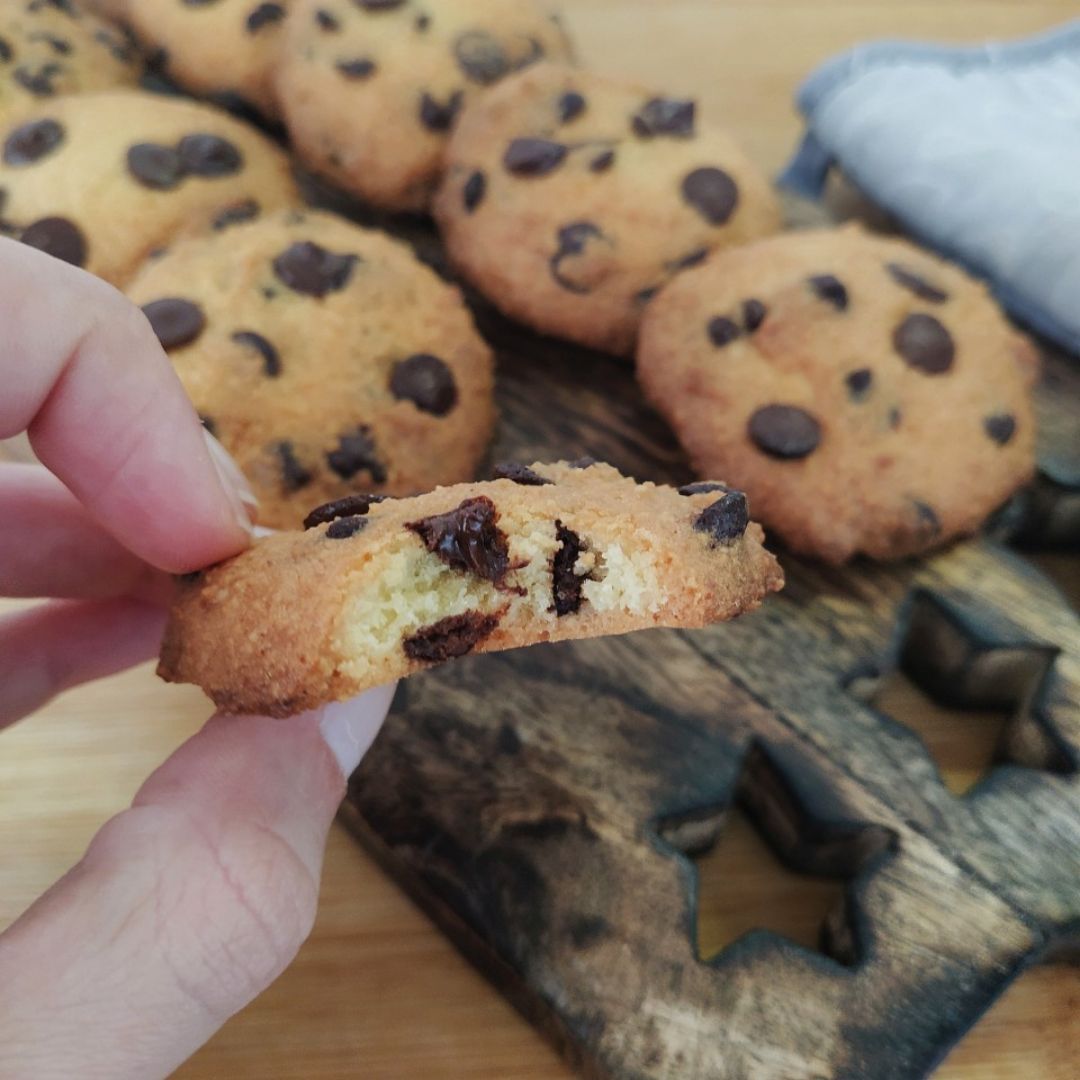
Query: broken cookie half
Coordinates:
[379,588]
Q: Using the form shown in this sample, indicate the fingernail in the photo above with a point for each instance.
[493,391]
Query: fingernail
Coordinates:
[232,480]
[349,727]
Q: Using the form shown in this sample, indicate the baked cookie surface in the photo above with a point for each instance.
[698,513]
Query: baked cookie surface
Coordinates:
[370,89]
[101,180]
[377,590]
[869,397]
[226,50]
[570,199]
[325,357]
[50,49]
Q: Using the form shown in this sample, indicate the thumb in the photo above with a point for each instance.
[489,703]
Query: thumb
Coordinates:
[184,907]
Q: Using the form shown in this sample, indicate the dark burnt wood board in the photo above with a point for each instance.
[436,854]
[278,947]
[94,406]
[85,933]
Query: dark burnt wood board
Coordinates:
[542,805]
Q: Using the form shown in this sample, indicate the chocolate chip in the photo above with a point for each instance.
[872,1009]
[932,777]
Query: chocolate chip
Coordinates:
[29,143]
[691,259]
[345,527]
[784,431]
[722,331]
[858,383]
[474,191]
[327,21]
[726,519]
[646,295]
[58,45]
[177,322]
[925,344]
[209,156]
[293,473]
[264,15]
[664,116]
[830,289]
[927,523]
[379,5]
[59,237]
[573,240]
[918,285]
[312,270]
[422,23]
[467,539]
[251,340]
[427,382]
[533,157]
[239,212]
[440,116]
[571,106]
[753,313]
[361,68]
[356,453]
[481,57]
[119,49]
[703,487]
[712,193]
[565,584]
[155,166]
[1001,427]
[5,51]
[450,638]
[602,162]
[38,82]
[350,506]
[520,474]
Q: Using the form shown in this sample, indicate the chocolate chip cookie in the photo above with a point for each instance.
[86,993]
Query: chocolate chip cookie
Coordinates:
[225,50]
[101,180]
[375,590]
[370,89]
[48,49]
[869,397]
[325,357]
[570,200]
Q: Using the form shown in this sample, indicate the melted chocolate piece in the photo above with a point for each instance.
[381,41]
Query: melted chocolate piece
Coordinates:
[345,527]
[573,240]
[1001,427]
[264,15]
[177,322]
[784,431]
[726,519]
[379,5]
[40,82]
[566,586]
[533,157]
[360,68]
[239,212]
[858,383]
[440,116]
[712,193]
[59,237]
[293,473]
[571,106]
[703,487]
[830,289]
[209,156]
[427,382]
[722,331]
[917,285]
[31,142]
[449,638]
[753,313]
[467,539]
[327,21]
[251,340]
[602,162]
[664,116]
[312,270]
[520,474]
[472,195]
[481,58]
[356,453]
[925,344]
[927,523]
[350,506]
[155,166]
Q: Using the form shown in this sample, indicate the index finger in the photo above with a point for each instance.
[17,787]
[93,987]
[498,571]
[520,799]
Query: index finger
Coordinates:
[85,375]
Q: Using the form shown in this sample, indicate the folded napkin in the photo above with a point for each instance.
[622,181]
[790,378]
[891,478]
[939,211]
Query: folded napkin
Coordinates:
[976,151]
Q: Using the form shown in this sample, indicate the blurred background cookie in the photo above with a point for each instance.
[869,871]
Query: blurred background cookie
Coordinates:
[101,180]
[370,89]
[868,397]
[325,357]
[570,199]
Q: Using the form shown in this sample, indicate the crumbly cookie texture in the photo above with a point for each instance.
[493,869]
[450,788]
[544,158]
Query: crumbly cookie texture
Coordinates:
[374,591]
[49,49]
[226,50]
[869,397]
[370,89]
[102,180]
[571,199]
[325,357]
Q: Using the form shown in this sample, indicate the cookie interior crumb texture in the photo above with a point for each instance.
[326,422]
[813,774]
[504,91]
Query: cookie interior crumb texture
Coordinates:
[375,590]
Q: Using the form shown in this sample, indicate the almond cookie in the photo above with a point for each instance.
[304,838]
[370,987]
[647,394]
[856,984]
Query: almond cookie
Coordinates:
[48,49]
[376,590]
[101,180]
[370,89]
[869,397]
[571,199]
[325,357]
[225,50]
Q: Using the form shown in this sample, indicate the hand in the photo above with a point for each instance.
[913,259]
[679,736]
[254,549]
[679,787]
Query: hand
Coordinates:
[191,902]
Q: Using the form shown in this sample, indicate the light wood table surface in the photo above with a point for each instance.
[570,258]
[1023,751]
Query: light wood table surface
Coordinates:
[377,992]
